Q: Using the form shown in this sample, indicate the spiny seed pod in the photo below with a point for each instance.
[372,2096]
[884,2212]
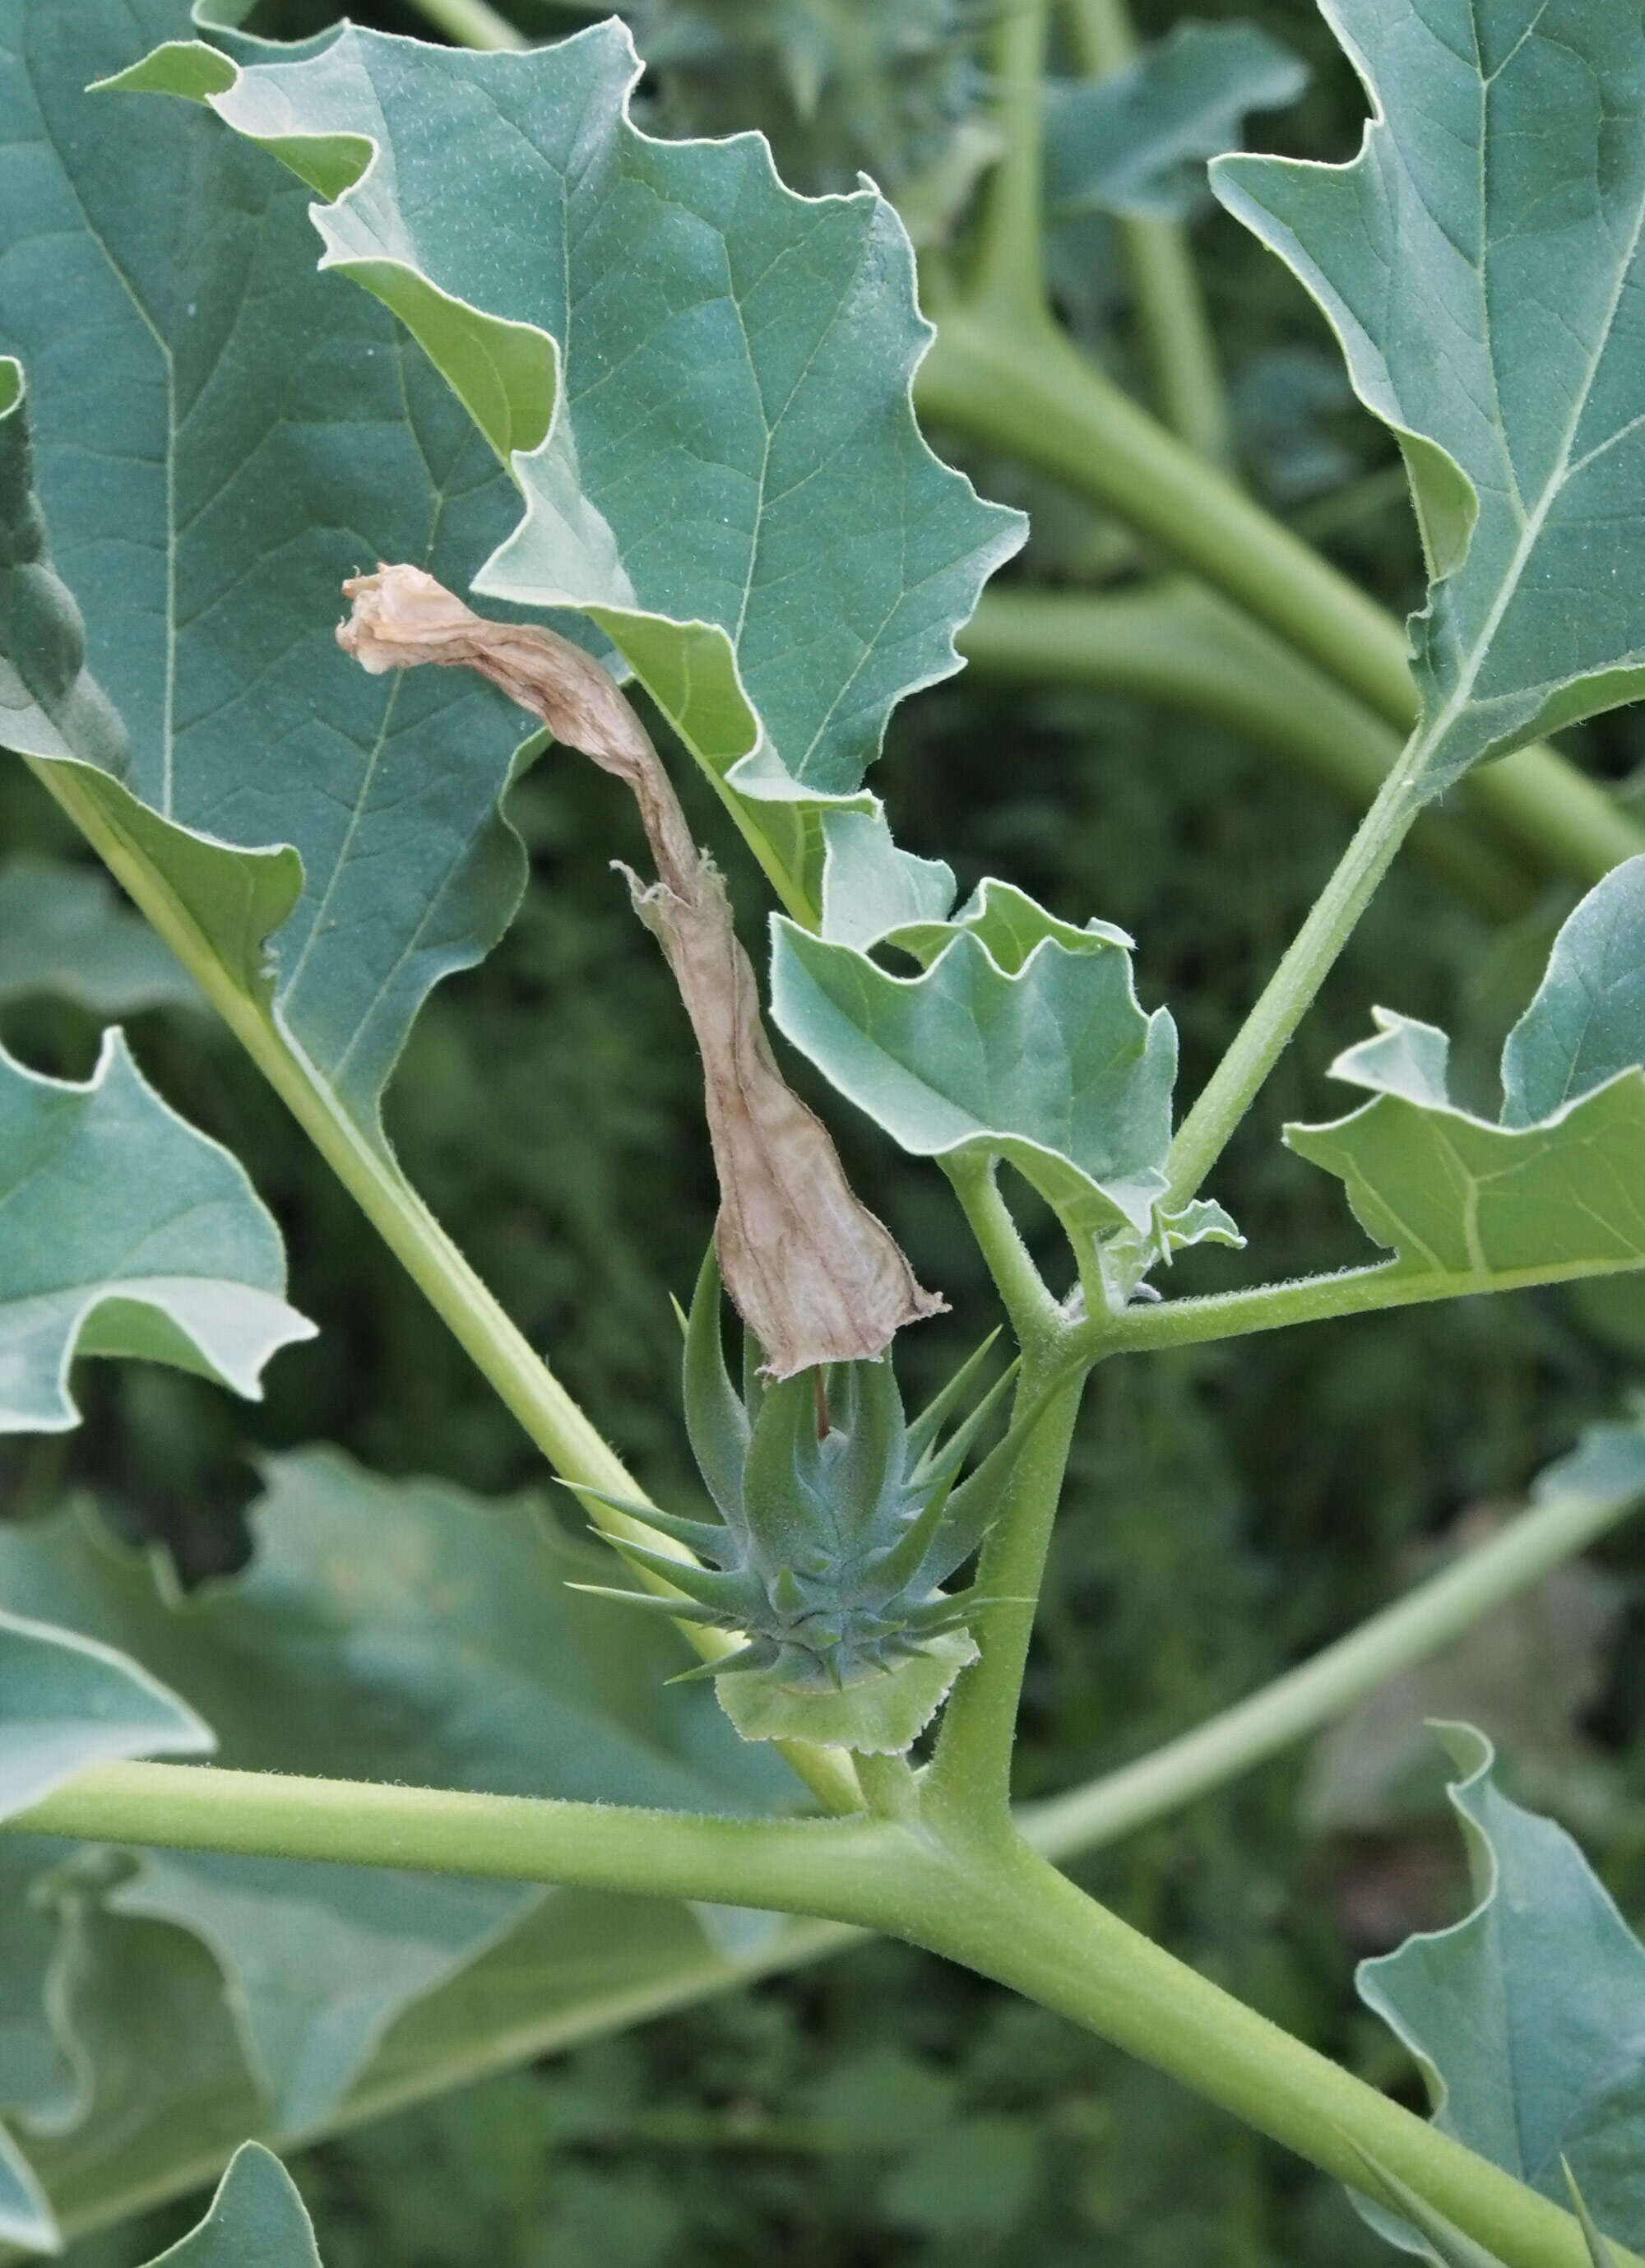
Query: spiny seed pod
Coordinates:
[838,1522]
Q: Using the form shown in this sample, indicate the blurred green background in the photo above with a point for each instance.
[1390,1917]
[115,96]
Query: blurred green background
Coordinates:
[1229,1509]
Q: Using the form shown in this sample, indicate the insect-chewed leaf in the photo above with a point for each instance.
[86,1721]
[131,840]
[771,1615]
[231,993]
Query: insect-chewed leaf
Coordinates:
[1514,2014]
[1558,1185]
[1484,276]
[1022,1039]
[752,516]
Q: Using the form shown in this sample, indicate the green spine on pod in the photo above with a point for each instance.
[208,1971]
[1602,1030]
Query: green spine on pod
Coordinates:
[840,1518]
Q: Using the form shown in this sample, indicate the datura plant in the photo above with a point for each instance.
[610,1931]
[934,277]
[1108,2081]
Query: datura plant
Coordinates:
[372,323]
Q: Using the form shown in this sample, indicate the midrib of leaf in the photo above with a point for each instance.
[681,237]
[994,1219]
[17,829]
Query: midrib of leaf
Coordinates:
[1431,738]
[71,183]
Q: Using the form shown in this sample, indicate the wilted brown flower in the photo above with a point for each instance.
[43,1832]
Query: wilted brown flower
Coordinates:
[814,1275]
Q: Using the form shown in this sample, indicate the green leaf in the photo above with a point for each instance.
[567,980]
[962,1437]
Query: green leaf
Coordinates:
[387,1631]
[25,2214]
[220,437]
[67,1701]
[869,888]
[123,1232]
[1022,1039]
[62,932]
[256,2220]
[1136,141]
[1554,1185]
[1523,2017]
[1480,261]
[699,380]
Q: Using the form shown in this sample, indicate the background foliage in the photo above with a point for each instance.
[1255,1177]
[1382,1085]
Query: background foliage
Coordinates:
[1229,1510]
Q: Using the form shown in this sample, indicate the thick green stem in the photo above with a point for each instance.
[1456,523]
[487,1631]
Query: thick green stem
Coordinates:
[1187,379]
[987,1901]
[970,1776]
[1009,274]
[1024,387]
[472,24]
[1261,1039]
[1016,1919]
[1309,1696]
[523,1382]
[1027,389]
[1179,644]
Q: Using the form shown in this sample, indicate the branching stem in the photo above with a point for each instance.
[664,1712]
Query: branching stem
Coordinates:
[985,1899]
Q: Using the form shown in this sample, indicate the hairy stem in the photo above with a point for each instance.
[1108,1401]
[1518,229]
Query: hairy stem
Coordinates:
[989,1901]
[1261,1039]
[521,1380]
[970,1776]
[1179,643]
[1308,1300]
[1018,1920]
[1186,375]
[1034,1315]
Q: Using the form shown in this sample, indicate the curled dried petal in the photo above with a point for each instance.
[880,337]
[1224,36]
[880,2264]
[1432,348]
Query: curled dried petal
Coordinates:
[814,1275]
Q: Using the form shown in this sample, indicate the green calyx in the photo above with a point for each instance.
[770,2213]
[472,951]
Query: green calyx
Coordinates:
[839,1521]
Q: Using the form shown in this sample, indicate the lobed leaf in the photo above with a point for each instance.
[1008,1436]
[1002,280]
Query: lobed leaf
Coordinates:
[257,2220]
[123,1232]
[1021,1039]
[25,2214]
[1556,1185]
[699,381]
[220,439]
[68,1701]
[65,1701]
[1136,141]
[1484,277]
[1524,2016]
[389,1632]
